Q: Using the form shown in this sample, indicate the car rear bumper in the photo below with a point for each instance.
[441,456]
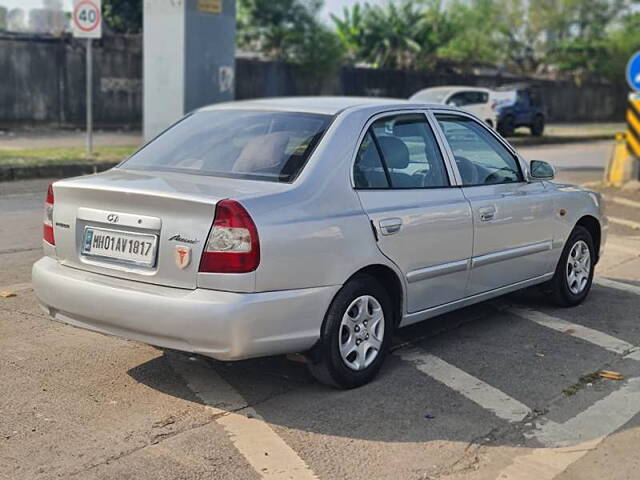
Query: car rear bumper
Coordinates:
[222,325]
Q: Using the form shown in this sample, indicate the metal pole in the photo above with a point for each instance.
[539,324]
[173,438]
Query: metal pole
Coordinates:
[89,96]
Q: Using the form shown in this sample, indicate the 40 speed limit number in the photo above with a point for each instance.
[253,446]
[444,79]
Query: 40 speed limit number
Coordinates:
[87,18]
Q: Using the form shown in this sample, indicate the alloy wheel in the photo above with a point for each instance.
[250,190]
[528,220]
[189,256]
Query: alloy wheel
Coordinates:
[361,332]
[578,267]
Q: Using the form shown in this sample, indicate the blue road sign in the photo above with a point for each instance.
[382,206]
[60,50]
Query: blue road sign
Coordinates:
[633,72]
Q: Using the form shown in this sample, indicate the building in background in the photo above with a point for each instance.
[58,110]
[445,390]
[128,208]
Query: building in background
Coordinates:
[35,16]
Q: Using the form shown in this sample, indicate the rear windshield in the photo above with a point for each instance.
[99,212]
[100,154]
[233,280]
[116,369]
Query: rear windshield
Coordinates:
[258,145]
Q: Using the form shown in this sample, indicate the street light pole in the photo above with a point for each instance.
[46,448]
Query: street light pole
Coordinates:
[89,96]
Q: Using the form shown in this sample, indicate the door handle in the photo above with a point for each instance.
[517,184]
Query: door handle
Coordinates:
[486,213]
[389,226]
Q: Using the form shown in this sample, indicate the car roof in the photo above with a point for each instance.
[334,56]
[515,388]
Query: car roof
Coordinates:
[320,104]
[452,88]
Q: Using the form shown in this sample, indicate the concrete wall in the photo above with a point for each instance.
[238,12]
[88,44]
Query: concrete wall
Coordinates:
[42,81]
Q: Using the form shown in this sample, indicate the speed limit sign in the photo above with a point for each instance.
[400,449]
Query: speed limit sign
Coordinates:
[87,18]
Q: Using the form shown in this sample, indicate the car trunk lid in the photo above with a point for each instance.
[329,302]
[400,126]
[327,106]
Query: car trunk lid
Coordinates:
[146,226]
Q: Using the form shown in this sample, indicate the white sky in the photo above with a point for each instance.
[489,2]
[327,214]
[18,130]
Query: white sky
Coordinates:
[29,4]
[336,6]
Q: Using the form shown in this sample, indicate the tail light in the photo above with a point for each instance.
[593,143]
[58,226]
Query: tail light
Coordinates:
[233,245]
[47,233]
[494,106]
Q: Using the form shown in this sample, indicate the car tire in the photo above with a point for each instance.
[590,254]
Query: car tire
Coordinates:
[537,127]
[571,283]
[336,360]
[507,126]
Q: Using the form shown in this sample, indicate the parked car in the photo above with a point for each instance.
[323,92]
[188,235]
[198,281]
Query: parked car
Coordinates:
[471,99]
[519,106]
[314,225]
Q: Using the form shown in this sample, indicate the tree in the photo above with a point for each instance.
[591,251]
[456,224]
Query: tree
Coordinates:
[402,34]
[289,30]
[623,41]
[275,28]
[123,16]
[475,25]
[395,34]
[351,31]
[590,43]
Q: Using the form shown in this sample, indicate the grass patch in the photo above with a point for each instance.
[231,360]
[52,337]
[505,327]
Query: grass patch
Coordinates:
[59,156]
[582,382]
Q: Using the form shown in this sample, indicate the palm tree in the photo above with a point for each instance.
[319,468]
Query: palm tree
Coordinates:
[394,35]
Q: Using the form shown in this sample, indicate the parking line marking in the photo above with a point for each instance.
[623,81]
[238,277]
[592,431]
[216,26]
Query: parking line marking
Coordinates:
[599,420]
[623,201]
[17,287]
[578,436]
[624,249]
[624,222]
[545,463]
[479,392]
[590,335]
[625,287]
[265,451]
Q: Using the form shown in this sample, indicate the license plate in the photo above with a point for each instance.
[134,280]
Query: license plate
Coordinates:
[121,247]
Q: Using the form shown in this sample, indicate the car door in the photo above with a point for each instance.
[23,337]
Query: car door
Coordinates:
[422,222]
[522,108]
[513,219]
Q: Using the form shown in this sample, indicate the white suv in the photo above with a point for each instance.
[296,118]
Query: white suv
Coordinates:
[475,100]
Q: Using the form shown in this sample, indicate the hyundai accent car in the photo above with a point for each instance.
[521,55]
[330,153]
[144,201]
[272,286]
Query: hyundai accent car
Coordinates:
[312,225]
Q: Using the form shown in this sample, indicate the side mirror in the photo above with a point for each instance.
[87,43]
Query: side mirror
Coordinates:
[539,170]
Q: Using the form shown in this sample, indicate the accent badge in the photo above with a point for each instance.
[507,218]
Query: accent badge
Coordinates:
[183,256]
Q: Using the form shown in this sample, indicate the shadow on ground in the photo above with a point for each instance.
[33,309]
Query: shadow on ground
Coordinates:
[406,405]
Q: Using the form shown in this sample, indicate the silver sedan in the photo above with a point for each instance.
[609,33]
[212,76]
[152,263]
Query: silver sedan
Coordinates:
[314,225]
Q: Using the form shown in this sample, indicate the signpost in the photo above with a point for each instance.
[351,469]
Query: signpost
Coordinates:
[87,23]
[624,164]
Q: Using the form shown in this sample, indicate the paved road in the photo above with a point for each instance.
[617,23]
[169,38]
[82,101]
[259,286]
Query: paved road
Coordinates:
[574,156]
[502,390]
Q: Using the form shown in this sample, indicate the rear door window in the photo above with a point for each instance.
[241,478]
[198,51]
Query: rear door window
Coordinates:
[259,145]
[369,173]
[399,152]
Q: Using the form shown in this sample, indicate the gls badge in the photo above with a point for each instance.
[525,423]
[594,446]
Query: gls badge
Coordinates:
[183,256]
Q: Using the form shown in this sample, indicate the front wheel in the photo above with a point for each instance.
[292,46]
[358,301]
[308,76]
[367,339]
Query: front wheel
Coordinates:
[572,280]
[355,335]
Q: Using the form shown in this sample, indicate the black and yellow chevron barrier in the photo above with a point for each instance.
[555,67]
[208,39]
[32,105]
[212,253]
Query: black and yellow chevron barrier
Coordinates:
[623,165]
[633,127]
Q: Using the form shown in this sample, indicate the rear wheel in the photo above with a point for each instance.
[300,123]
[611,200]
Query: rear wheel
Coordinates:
[507,126]
[537,127]
[572,280]
[355,335]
